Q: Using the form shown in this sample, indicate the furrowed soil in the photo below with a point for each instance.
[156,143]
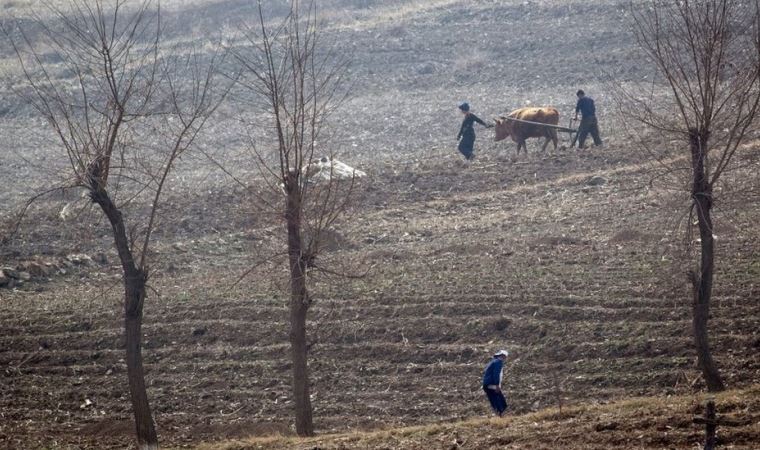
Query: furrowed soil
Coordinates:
[582,279]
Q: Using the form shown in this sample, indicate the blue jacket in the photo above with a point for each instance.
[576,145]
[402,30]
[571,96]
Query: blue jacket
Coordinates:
[492,374]
[586,107]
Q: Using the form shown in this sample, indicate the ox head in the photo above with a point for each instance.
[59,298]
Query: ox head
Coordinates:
[502,128]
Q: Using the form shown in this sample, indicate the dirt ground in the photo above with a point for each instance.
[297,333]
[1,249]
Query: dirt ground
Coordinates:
[581,281]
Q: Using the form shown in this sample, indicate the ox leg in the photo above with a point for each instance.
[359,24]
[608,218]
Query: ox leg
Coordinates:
[551,135]
[546,142]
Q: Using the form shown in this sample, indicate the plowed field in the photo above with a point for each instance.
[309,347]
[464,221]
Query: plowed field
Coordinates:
[582,282]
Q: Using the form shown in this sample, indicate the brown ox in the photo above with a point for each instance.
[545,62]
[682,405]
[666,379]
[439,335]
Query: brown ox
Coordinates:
[520,131]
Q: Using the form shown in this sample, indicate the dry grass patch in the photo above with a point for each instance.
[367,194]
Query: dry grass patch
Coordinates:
[646,422]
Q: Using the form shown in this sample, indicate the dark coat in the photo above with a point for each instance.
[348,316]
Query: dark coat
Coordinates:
[466,136]
[492,374]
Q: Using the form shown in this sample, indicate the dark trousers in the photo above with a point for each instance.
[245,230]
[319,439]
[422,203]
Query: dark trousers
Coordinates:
[498,402]
[587,126]
[466,145]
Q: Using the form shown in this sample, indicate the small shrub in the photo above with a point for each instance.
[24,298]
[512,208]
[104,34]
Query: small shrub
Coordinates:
[501,324]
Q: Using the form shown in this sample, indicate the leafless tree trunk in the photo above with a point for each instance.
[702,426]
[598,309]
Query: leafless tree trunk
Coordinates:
[299,307]
[135,281]
[707,53]
[702,281]
[296,78]
[134,102]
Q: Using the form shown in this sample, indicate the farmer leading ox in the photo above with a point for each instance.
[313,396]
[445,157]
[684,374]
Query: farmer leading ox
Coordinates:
[519,130]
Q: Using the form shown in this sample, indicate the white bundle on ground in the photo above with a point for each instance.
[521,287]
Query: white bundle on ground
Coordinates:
[74,209]
[327,169]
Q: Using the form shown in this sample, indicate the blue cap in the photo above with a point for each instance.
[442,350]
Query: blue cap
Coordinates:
[464,106]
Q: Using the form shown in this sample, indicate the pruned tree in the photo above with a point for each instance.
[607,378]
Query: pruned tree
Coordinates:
[296,80]
[706,98]
[133,109]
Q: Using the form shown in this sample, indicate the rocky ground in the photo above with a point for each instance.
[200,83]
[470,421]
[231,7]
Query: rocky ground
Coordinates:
[568,259]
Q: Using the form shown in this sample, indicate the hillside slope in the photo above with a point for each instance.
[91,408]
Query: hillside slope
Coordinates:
[583,282]
[651,423]
[571,278]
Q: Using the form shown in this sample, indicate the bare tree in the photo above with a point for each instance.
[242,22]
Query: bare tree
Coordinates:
[296,80]
[134,108]
[707,53]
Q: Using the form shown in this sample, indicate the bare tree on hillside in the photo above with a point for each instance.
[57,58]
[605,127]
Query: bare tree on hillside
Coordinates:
[128,112]
[707,53]
[296,79]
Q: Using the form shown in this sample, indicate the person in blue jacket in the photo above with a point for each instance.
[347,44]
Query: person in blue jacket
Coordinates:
[466,136]
[588,124]
[492,382]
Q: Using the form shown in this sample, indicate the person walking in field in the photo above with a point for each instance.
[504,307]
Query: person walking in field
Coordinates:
[492,382]
[466,136]
[588,123]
